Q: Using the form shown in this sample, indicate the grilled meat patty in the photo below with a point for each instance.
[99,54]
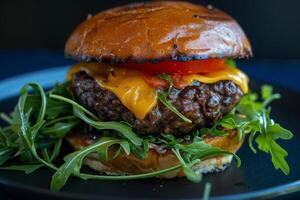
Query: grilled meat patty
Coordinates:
[202,103]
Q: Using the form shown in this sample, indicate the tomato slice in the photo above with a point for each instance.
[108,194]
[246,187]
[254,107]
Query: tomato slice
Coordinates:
[155,82]
[178,82]
[173,67]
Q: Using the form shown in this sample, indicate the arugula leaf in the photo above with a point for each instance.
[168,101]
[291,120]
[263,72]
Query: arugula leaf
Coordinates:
[59,129]
[28,169]
[104,150]
[250,141]
[73,103]
[6,118]
[235,122]
[140,152]
[57,108]
[230,63]
[73,161]
[267,142]
[210,131]
[266,92]
[167,78]
[6,153]
[56,150]
[25,128]
[162,96]
[63,90]
[253,116]
[187,167]
[206,193]
[267,129]
[249,108]
[22,122]
[7,137]
[124,130]
[278,132]
[193,153]
[129,177]
[200,150]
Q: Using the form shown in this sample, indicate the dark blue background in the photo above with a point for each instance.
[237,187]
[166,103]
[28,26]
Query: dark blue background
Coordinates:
[272,26]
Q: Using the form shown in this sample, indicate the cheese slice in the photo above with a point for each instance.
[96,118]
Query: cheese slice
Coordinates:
[133,91]
[233,74]
[128,85]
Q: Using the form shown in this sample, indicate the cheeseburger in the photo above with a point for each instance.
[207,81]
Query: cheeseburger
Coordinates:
[163,68]
[155,93]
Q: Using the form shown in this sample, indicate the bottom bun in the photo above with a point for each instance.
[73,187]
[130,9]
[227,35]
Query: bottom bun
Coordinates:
[157,157]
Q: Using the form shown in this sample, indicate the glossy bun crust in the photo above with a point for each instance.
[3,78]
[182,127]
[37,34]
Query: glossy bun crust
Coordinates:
[155,31]
[157,158]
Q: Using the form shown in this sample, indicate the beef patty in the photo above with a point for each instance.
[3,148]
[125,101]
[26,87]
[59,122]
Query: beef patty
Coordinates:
[202,103]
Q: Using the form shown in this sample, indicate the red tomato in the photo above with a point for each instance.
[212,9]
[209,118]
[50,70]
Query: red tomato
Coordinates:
[178,81]
[155,81]
[172,67]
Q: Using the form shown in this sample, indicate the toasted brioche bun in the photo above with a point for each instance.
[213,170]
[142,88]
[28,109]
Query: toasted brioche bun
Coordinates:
[156,31]
[157,158]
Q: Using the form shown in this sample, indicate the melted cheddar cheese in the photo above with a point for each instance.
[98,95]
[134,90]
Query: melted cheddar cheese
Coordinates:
[133,91]
[128,85]
[233,74]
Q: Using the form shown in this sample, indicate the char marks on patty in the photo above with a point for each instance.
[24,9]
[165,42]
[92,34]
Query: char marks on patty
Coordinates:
[202,103]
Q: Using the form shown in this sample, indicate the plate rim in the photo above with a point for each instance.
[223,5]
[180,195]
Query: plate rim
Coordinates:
[266,193]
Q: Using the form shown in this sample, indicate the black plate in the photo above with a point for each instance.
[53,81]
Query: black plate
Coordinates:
[256,178]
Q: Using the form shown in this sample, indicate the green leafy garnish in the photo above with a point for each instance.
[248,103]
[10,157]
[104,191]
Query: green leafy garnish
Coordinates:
[253,117]
[73,161]
[162,96]
[187,167]
[26,131]
[28,169]
[190,154]
[207,189]
[193,153]
[40,122]
[230,63]
[267,141]
[73,103]
[123,129]
[130,177]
